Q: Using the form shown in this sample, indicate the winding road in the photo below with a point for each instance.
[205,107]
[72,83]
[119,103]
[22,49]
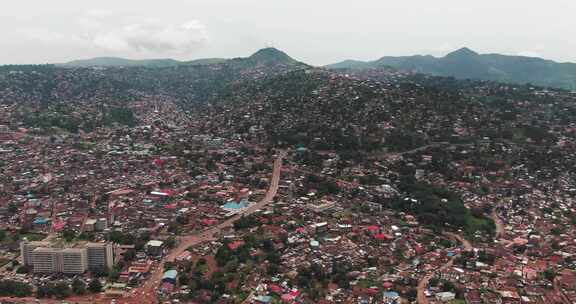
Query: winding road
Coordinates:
[425,281]
[147,293]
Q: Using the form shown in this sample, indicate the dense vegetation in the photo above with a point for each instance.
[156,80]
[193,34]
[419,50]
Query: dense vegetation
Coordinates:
[13,288]
[467,64]
[71,119]
[440,208]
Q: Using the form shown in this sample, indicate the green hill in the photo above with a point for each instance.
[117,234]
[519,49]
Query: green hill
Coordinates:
[123,62]
[267,56]
[467,64]
[120,62]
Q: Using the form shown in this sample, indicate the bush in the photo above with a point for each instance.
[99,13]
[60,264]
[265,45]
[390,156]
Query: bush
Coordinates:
[13,288]
[78,287]
[95,286]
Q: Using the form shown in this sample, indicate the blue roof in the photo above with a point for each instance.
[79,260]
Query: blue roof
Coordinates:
[391,294]
[234,205]
[170,274]
[264,299]
[41,221]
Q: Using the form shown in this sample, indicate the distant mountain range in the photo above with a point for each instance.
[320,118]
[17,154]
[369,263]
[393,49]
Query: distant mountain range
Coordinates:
[461,64]
[124,79]
[264,56]
[467,64]
[123,62]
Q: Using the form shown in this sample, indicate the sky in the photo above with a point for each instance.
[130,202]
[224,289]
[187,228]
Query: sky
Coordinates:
[317,32]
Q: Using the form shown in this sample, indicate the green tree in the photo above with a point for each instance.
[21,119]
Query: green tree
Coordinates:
[12,208]
[23,269]
[95,286]
[13,288]
[549,275]
[129,255]
[183,279]
[68,235]
[117,237]
[61,290]
[78,287]
[113,275]
[170,242]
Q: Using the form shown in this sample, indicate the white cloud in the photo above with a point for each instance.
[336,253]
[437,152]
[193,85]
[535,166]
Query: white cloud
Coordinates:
[99,13]
[55,38]
[156,37]
[110,42]
[127,35]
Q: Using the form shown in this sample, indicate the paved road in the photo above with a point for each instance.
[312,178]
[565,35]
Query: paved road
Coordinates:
[425,281]
[381,155]
[465,243]
[423,284]
[147,293]
[500,229]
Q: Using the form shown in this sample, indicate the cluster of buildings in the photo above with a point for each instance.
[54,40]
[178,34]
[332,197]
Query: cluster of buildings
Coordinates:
[335,232]
[116,195]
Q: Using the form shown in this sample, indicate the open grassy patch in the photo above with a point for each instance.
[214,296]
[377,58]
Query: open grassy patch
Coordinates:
[32,236]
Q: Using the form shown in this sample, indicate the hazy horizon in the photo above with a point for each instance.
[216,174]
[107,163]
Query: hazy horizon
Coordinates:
[318,33]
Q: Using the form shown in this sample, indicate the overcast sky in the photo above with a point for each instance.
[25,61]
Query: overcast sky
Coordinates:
[315,31]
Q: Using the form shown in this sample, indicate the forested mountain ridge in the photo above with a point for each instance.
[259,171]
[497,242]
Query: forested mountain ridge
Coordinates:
[467,64]
[187,83]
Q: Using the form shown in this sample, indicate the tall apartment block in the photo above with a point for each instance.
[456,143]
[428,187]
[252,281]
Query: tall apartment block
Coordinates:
[26,249]
[100,256]
[74,260]
[46,259]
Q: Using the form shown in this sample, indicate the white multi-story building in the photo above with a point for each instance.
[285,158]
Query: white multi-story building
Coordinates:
[100,256]
[74,260]
[45,259]
[101,224]
[26,249]
[50,260]
[154,247]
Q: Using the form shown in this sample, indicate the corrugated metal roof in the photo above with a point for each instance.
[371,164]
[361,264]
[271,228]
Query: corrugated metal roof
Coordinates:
[170,274]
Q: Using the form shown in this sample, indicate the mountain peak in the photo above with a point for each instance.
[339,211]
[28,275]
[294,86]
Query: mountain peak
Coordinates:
[271,55]
[463,52]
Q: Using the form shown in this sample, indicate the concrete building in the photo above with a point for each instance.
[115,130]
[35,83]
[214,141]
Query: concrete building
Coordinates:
[101,224]
[154,247]
[74,260]
[170,276]
[445,296]
[90,225]
[45,260]
[50,260]
[100,256]
[26,249]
